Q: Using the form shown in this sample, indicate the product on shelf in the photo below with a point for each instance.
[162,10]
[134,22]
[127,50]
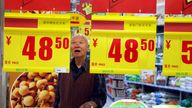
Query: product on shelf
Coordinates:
[186,102]
[33,90]
[157,98]
[172,81]
[134,93]
[188,83]
[182,82]
[160,80]
[118,76]
[118,83]
[120,93]
[147,76]
[135,78]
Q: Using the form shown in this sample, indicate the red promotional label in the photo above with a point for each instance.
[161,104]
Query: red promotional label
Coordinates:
[51,5]
[85,7]
[178,6]
[124,6]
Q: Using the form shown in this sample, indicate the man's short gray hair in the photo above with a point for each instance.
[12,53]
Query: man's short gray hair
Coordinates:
[83,36]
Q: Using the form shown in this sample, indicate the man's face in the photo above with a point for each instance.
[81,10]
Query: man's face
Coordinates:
[79,46]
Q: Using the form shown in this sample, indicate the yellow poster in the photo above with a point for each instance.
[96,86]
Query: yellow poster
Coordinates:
[42,46]
[177,51]
[177,54]
[127,51]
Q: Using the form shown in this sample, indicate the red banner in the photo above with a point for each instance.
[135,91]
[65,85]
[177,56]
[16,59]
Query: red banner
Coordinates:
[50,5]
[178,6]
[124,6]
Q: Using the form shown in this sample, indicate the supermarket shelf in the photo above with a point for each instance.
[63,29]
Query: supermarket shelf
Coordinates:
[109,85]
[159,86]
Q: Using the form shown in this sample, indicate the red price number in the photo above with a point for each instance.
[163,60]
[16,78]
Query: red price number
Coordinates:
[86,31]
[131,51]
[187,48]
[45,50]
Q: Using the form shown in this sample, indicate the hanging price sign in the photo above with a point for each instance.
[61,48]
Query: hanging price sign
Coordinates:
[85,28]
[36,43]
[125,50]
[177,52]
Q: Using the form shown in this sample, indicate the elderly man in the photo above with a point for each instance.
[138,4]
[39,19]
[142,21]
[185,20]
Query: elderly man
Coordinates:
[79,88]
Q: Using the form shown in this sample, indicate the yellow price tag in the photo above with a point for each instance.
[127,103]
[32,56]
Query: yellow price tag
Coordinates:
[85,28]
[36,46]
[122,44]
[177,54]
[121,52]
[36,52]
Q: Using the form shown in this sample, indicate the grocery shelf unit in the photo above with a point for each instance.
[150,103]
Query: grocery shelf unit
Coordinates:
[161,84]
[115,87]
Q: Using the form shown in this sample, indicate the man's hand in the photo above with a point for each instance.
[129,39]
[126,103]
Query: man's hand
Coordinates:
[89,104]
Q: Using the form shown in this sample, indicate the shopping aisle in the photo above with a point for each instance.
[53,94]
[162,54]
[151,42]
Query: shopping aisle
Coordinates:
[108,103]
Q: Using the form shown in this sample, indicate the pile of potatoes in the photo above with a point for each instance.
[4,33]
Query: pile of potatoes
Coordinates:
[34,90]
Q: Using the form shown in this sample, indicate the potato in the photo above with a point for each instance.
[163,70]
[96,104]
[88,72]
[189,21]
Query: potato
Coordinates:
[32,85]
[30,75]
[15,93]
[18,106]
[17,83]
[43,95]
[37,78]
[41,84]
[48,77]
[52,96]
[28,101]
[23,83]
[23,90]
[13,102]
[50,88]
[55,82]
[54,75]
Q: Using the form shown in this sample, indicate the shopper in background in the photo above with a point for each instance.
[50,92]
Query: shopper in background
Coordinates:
[79,88]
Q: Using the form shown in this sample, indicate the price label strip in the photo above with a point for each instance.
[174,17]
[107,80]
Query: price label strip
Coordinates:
[122,44]
[177,52]
[36,43]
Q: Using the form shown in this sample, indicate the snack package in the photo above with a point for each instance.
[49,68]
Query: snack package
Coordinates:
[33,90]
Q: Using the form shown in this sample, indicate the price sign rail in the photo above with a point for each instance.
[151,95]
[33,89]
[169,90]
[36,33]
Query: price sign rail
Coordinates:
[122,44]
[177,52]
[36,42]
